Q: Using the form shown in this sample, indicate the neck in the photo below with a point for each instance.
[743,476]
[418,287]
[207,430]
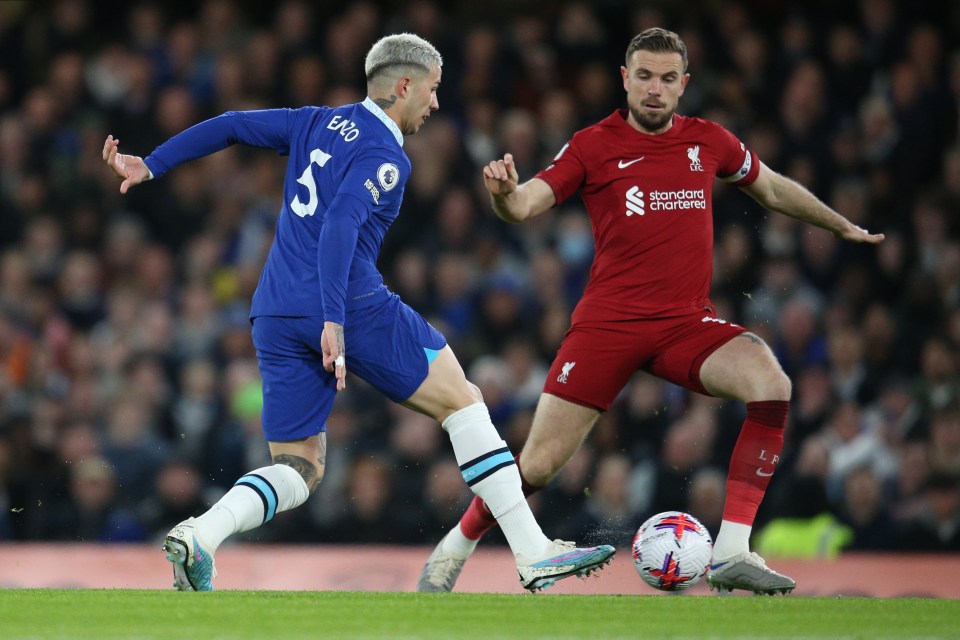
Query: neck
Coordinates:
[386,117]
[387,102]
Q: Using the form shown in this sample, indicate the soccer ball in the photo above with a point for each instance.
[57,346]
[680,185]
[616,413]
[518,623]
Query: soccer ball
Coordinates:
[671,551]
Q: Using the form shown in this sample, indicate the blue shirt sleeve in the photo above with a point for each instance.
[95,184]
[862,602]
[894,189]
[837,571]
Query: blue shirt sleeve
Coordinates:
[350,209]
[269,128]
[335,249]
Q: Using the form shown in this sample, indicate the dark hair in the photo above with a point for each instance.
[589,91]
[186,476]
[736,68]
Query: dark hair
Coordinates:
[942,481]
[658,40]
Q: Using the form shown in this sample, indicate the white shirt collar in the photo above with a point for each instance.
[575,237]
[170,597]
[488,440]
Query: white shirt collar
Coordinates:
[384,118]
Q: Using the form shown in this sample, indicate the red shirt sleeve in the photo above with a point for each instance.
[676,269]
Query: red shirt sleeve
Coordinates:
[566,173]
[738,165]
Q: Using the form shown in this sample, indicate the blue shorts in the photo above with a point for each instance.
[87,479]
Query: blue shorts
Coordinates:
[388,344]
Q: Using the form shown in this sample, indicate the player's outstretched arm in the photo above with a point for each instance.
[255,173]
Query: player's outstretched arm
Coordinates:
[130,169]
[779,193]
[514,202]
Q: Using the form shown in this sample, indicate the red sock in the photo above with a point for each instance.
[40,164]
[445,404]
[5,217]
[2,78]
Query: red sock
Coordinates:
[754,459]
[478,520]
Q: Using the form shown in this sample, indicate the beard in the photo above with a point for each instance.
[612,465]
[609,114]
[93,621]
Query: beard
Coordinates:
[652,122]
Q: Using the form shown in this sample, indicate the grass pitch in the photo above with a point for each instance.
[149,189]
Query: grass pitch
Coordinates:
[168,615]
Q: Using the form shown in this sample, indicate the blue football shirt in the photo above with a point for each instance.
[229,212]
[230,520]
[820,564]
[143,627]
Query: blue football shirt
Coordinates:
[343,188]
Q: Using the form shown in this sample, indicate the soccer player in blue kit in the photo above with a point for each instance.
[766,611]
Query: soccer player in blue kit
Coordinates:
[321,306]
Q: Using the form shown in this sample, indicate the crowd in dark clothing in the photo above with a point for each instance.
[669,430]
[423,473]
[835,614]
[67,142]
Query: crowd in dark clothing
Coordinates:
[129,389]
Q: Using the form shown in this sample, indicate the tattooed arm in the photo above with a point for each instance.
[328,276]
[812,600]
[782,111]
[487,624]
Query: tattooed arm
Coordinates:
[334,352]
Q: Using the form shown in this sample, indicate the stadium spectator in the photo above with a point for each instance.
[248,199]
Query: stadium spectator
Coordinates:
[945,440]
[610,509]
[706,496]
[366,518]
[178,493]
[93,511]
[443,499]
[862,509]
[6,505]
[853,443]
[936,528]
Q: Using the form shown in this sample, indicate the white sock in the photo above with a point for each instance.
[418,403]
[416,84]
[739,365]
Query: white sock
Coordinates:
[252,501]
[489,468]
[457,544]
[732,539]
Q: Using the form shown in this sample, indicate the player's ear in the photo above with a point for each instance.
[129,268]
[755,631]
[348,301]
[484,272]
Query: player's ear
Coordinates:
[403,86]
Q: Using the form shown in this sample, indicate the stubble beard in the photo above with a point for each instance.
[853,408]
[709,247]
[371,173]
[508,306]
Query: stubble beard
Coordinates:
[652,123]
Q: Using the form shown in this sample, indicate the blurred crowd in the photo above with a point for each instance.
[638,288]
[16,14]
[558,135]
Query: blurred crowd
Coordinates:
[129,390]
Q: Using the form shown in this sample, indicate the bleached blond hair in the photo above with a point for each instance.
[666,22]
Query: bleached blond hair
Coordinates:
[401,51]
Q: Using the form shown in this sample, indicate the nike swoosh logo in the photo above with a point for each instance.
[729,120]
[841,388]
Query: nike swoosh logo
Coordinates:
[624,165]
[764,475]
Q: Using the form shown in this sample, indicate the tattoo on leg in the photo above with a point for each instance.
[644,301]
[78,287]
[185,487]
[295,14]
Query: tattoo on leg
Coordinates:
[385,103]
[755,339]
[304,467]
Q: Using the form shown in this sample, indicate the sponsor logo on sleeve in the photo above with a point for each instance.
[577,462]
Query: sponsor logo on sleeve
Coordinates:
[372,188]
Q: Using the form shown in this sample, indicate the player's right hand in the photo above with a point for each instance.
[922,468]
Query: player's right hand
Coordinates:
[130,169]
[500,176]
[334,352]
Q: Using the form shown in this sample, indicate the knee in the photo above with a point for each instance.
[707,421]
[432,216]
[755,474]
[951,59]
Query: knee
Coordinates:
[771,387]
[466,395]
[768,383]
[780,387]
[311,472]
[313,478]
[473,393]
[320,469]
[536,468]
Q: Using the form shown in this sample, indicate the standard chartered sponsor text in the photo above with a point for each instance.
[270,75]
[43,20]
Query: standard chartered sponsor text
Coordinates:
[680,199]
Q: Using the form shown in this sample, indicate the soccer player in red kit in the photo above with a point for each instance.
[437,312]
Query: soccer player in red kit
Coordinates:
[646,177]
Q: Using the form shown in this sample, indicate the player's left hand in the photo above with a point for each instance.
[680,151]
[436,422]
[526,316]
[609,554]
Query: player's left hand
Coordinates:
[334,352]
[131,169]
[853,233]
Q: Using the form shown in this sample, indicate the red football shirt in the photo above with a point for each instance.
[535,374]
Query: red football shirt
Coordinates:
[649,202]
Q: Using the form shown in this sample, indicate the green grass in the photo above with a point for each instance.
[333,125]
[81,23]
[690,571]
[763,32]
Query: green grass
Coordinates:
[168,615]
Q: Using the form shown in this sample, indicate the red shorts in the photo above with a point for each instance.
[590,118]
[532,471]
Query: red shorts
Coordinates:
[596,360]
